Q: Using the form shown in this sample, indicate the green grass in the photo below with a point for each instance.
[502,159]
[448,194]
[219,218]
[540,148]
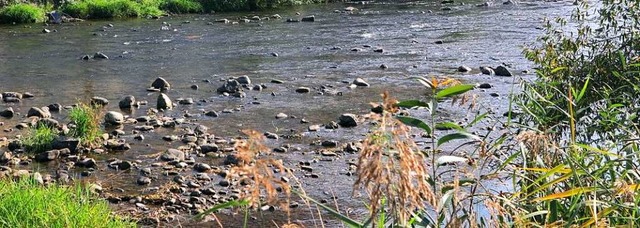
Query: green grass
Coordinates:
[25,203]
[39,139]
[181,6]
[106,9]
[22,13]
[87,127]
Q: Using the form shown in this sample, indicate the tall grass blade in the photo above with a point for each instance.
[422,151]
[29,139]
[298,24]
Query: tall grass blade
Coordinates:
[454,90]
[565,194]
[457,135]
[413,122]
[233,203]
[350,222]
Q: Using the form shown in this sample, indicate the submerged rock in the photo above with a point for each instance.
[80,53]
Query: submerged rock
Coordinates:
[99,101]
[310,18]
[100,55]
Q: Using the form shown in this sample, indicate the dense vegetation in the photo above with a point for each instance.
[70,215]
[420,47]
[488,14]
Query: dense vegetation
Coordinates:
[26,203]
[106,9]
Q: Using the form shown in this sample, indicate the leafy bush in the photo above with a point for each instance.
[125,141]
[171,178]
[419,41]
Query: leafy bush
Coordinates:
[40,138]
[26,204]
[87,124]
[181,6]
[104,9]
[22,13]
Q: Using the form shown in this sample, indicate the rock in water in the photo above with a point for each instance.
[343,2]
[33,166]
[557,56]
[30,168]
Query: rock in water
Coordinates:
[464,69]
[173,155]
[161,84]
[230,86]
[487,70]
[164,102]
[113,118]
[360,82]
[127,102]
[7,113]
[348,120]
[310,18]
[42,113]
[502,71]
[100,55]
[99,101]
[244,80]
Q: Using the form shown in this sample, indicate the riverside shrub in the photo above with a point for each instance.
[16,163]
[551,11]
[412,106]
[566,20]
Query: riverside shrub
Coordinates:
[22,13]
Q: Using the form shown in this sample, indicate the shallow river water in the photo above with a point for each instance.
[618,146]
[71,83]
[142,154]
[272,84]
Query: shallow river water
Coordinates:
[417,39]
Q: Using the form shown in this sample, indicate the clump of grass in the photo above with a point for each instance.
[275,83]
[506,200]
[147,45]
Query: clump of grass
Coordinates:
[22,13]
[87,124]
[40,138]
[181,6]
[24,203]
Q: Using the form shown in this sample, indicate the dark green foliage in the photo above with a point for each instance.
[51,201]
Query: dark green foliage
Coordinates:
[105,9]
[181,6]
[22,13]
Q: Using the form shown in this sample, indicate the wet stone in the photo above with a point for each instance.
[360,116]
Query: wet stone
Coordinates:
[201,167]
[143,180]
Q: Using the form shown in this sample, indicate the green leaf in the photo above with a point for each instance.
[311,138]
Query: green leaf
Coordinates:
[413,122]
[457,135]
[454,90]
[448,126]
[411,104]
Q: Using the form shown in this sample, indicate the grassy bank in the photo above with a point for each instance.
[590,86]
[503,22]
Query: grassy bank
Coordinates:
[108,9]
[26,203]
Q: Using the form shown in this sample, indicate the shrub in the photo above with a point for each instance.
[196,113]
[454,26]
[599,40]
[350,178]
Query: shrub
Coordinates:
[181,6]
[25,203]
[22,13]
[39,139]
[87,124]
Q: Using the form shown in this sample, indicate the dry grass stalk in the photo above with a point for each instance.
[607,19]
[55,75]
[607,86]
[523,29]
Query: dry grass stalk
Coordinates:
[391,168]
[261,172]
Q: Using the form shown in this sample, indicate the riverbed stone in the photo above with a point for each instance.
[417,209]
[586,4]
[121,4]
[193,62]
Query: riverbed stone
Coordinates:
[113,118]
[201,167]
[244,80]
[164,102]
[55,107]
[486,70]
[348,120]
[303,90]
[229,86]
[161,84]
[7,113]
[360,82]
[173,155]
[100,55]
[484,86]
[185,101]
[208,148]
[310,18]
[47,156]
[87,163]
[143,180]
[39,112]
[464,69]
[127,102]
[62,142]
[99,101]
[502,71]
[281,116]
[49,122]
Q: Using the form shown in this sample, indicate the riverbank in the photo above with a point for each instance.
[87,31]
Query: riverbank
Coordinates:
[102,9]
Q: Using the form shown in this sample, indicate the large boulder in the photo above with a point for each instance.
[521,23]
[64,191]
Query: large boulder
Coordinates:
[161,84]
[62,142]
[127,102]
[164,102]
[113,118]
[39,112]
[7,113]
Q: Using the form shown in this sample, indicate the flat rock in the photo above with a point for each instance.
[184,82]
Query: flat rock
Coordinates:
[173,155]
[99,101]
[303,90]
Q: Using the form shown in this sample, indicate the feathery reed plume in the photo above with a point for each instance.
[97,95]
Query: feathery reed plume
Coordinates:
[391,168]
[260,172]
